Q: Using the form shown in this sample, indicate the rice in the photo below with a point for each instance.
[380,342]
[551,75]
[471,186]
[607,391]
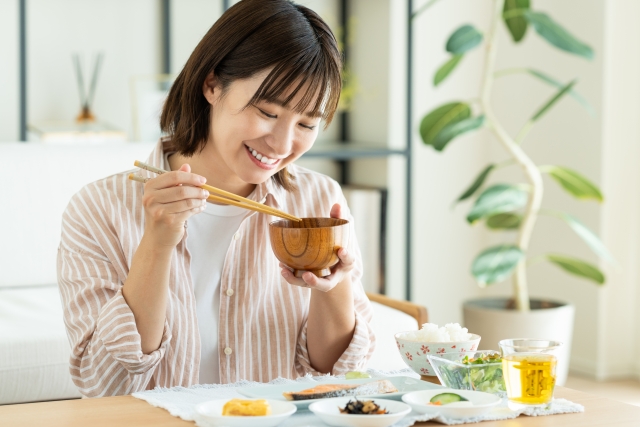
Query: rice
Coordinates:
[431,333]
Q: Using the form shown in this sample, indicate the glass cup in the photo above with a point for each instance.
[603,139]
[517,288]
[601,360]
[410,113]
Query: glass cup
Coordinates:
[529,369]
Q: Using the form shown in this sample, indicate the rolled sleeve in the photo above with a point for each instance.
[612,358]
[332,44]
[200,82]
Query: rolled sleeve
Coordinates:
[116,329]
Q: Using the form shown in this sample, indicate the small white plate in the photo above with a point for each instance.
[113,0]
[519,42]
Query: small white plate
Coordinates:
[402,383]
[328,410]
[212,412]
[481,403]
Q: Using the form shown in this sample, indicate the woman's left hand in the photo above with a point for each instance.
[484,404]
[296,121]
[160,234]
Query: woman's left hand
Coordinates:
[339,272]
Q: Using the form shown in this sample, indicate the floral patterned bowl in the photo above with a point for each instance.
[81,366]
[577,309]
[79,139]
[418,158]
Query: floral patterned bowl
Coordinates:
[414,353]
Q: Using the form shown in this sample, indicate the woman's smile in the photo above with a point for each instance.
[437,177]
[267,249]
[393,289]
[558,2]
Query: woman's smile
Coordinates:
[260,159]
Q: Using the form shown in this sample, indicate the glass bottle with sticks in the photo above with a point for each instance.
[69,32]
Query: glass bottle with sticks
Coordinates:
[86,96]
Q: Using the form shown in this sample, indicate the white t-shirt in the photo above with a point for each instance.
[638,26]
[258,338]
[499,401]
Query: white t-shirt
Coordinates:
[209,235]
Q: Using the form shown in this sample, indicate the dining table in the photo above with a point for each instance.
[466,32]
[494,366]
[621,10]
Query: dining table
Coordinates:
[125,411]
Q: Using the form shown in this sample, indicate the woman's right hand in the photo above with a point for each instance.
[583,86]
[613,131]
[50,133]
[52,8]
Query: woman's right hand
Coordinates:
[168,201]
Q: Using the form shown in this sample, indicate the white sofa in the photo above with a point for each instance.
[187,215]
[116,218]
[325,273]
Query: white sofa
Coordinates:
[37,182]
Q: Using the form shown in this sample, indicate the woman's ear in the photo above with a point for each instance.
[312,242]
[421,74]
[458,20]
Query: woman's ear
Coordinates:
[209,88]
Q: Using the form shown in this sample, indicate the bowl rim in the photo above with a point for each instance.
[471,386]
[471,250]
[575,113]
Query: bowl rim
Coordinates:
[401,413]
[474,337]
[466,353]
[200,411]
[496,401]
[341,222]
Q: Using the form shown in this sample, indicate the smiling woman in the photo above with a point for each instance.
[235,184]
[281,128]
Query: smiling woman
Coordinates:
[148,304]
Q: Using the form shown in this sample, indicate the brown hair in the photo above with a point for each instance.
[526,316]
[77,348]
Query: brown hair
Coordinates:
[250,37]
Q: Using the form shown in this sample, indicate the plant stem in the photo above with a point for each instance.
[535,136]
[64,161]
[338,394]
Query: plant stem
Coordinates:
[521,294]
[423,8]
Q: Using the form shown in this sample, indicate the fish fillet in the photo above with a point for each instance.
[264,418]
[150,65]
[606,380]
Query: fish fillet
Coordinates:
[340,390]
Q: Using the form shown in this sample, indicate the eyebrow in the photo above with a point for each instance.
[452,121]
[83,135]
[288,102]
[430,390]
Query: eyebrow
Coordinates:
[312,115]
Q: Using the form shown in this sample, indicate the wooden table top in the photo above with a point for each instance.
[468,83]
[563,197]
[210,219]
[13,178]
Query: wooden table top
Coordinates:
[125,411]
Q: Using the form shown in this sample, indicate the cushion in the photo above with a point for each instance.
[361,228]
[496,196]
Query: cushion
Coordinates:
[386,323]
[47,176]
[34,349]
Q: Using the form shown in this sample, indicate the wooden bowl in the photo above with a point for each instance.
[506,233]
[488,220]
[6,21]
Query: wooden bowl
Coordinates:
[310,245]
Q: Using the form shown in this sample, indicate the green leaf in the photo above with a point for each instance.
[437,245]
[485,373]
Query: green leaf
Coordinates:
[504,221]
[434,122]
[552,32]
[517,25]
[553,100]
[476,184]
[496,199]
[463,39]
[446,68]
[553,82]
[589,237]
[496,264]
[578,267]
[576,184]
[456,129]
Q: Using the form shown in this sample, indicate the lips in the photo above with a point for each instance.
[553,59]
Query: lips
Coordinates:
[263,162]
[261,157]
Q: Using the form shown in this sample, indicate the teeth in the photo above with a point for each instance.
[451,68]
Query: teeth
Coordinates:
[263,159]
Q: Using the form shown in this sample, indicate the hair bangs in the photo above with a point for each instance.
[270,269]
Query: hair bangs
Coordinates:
[314,75]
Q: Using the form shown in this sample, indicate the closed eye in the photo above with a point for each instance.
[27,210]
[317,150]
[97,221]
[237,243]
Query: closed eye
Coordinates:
[307,126]
[271,116]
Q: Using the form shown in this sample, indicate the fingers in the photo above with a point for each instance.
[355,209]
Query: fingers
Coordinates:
[336,211]
[345,257]
[310,280]
[182,192]
[182,176]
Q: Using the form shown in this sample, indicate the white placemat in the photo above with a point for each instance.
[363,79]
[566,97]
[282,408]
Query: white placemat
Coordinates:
[500,412]
[181,402]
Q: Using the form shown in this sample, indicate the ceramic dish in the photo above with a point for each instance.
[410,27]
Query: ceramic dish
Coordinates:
[274,392]
[482,403]
[211,411]
[328,410]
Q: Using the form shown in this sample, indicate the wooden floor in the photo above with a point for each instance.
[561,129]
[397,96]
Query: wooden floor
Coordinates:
[627,391]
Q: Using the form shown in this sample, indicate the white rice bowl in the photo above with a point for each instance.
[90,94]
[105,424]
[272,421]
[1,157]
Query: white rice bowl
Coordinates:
[415,346]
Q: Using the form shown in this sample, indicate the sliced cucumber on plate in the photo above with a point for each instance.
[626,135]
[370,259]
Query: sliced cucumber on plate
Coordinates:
[446,398]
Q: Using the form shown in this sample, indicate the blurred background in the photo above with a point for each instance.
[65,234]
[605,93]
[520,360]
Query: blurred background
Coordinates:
[417,245]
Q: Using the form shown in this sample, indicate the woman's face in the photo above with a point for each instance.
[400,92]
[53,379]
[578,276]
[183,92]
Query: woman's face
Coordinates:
[253,143]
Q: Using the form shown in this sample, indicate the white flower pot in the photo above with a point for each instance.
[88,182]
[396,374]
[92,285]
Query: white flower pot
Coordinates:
[490,319]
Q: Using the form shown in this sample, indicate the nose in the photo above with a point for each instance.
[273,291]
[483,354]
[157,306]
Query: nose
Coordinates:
[281,138]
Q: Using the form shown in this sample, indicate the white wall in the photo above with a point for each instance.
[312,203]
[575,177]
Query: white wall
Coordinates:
[127,32]
[444,244]
[619,328]
[9,71]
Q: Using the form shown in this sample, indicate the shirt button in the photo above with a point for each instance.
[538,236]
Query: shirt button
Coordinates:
[229,292]
[236,236]
[228,351]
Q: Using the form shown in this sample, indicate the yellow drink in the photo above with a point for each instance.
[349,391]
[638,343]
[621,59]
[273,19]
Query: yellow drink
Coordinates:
[530,378]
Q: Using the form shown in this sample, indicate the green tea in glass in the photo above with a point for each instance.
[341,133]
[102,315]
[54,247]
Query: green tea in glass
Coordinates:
[529,369]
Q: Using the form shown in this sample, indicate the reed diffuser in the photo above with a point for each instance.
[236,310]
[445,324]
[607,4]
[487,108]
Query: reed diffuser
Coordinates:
[86,96]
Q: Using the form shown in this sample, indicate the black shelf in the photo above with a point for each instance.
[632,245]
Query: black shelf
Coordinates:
[350,151]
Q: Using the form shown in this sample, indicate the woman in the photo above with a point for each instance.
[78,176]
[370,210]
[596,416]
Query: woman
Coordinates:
[162,289]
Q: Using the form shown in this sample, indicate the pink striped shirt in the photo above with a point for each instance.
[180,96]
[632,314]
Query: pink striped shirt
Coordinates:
[263,320]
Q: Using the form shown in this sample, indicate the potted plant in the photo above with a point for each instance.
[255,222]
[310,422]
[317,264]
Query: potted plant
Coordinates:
[514,206]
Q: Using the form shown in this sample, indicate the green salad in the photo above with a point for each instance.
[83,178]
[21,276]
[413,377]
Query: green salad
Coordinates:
[482,373]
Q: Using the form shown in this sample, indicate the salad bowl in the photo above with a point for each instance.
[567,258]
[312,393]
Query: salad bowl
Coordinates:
[478,370]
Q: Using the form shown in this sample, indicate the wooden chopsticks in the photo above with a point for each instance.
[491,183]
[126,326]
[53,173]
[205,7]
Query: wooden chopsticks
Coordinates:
[215,193]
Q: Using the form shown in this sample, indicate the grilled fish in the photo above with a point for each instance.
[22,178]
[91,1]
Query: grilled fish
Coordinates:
[339,390]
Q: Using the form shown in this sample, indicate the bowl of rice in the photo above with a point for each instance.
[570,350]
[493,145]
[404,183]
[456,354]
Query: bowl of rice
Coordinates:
[415,346]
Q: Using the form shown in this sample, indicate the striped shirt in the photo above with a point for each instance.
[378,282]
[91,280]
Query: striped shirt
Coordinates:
[262,328]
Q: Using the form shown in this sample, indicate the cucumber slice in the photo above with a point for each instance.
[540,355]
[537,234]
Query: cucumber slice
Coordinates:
[446,398]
